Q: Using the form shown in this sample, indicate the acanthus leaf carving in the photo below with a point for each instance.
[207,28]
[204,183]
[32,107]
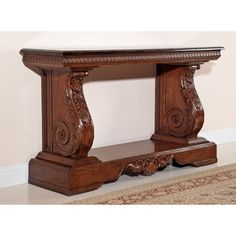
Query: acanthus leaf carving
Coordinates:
[76,98]
[193,106]
[188,88]
[147,166]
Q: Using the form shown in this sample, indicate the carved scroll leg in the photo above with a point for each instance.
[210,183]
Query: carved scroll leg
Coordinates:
[64,165]
[73,126]
[179,113]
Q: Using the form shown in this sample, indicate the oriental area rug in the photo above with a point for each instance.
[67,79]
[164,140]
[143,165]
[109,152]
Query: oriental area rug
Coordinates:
[214,186]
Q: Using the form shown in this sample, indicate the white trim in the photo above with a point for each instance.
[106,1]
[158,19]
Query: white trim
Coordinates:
[18,173]
[13,175]
[220,136]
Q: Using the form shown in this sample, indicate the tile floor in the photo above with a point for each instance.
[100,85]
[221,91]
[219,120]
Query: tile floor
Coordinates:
[29,194]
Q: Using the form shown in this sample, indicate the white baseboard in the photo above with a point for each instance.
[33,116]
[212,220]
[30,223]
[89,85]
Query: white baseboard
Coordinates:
[18,174]
[13,175]
[220,136]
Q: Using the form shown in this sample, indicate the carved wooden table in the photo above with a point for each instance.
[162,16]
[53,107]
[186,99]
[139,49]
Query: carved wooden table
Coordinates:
[66,163]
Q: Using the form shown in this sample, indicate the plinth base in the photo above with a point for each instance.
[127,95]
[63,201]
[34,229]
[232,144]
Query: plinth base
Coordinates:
[72,176]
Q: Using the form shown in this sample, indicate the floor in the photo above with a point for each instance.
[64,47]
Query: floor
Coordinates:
[29,194]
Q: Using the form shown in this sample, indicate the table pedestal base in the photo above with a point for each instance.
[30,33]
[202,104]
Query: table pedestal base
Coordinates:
[72,176]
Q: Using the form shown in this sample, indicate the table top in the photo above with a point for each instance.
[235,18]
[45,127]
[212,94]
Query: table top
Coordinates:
[93,58]
[65,52]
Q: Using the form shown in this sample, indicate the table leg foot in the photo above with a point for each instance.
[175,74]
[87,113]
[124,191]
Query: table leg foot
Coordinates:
[198,157]
[65,175]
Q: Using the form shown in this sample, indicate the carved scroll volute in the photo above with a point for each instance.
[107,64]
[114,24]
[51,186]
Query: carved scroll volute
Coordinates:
[75,138]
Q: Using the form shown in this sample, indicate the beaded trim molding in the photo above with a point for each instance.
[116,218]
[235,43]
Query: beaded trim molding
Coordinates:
[110,59]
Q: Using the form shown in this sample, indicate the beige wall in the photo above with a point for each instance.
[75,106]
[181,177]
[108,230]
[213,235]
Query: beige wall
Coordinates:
[122,109]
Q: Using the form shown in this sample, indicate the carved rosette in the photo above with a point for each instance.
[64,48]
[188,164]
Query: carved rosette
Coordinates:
[147,166]
[187,120]
[76,138]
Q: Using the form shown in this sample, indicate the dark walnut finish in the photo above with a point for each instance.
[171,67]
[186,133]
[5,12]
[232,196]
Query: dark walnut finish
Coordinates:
[68,165]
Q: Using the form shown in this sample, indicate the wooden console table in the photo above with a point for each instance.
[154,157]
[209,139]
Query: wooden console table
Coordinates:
[66,163]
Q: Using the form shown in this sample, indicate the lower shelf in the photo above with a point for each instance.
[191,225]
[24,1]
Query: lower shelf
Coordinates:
[137,149]
[71,176]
